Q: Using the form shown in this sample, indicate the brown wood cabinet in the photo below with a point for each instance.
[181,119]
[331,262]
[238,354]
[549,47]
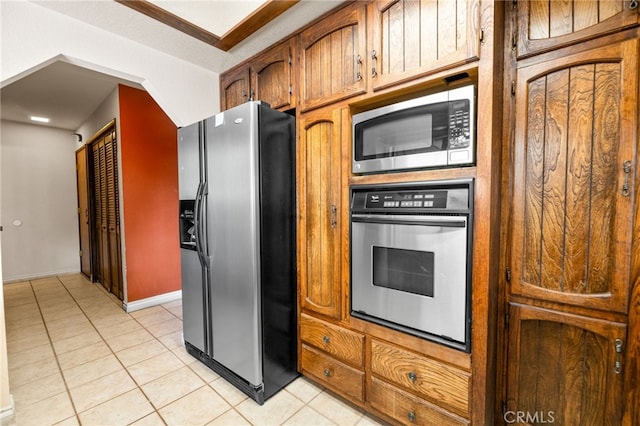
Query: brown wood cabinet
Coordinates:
[429,379]
[545,26]
[235,87]
[333,355]
[332,57]
[401,53]
[564,368]
[572,217]
[572,309]
[408,409]
[319,206]
[269,77]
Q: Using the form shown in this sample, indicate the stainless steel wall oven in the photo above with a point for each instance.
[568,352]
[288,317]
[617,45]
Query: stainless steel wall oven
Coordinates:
[411,258]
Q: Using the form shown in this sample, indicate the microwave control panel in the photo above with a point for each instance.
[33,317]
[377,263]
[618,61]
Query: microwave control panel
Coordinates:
[459,124]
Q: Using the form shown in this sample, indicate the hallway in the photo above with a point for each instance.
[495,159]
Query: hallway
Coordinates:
[76,358]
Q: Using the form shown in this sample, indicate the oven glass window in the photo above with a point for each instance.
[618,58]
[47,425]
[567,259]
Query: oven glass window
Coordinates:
[404,270]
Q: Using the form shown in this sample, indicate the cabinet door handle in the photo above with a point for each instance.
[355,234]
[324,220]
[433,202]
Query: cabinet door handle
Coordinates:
[633,4]
[334,216]
[618,364]
[411,416]
[412,376]
[327,372]
[374,59]
[326,340]
[358,63]
[626,168]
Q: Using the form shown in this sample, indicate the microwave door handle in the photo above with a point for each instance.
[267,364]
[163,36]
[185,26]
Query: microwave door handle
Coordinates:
[409,220]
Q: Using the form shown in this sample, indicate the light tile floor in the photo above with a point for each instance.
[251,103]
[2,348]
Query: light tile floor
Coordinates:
[76,358]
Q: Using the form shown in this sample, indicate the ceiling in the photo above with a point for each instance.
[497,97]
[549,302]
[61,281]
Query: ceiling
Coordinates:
[68,94]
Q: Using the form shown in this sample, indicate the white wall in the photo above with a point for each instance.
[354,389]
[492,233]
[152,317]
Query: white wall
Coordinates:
[32,36]
[39,201]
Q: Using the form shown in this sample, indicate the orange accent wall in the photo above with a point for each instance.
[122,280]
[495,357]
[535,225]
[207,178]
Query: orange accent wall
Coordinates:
[149,153]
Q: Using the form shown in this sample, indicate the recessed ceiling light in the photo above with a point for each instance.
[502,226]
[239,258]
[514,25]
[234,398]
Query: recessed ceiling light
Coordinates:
[39,119]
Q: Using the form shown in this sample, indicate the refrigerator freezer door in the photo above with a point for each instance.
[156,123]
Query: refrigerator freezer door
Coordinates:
[233,240]
[188,161]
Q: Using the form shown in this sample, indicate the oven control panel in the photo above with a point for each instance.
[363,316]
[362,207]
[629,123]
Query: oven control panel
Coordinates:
[451,197]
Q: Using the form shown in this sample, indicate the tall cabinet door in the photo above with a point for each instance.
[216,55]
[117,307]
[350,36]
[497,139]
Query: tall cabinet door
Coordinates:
[319,224]
[575,163]
[573,219]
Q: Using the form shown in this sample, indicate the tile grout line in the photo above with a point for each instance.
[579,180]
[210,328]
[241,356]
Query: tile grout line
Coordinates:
[138,386]
[55,355]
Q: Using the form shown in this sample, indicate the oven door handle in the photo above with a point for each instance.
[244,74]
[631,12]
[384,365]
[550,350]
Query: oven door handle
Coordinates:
[410,220]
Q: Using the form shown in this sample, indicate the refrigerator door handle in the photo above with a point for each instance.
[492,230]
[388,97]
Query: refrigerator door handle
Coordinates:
[199,208]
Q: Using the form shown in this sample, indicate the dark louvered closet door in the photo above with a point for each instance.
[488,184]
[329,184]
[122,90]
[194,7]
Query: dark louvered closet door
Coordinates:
[106,212]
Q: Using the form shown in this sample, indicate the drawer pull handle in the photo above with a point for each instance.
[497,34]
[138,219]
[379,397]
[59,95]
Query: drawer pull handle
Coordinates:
[327,372]
[411,416]
[326,340]
[412,376]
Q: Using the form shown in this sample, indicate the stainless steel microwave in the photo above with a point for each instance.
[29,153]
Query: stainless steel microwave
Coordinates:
[436,130]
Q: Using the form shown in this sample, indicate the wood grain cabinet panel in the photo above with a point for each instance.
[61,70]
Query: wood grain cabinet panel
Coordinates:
[548,24]
[432,380]
[330,372]
[408,409]
[267,77]
[235,87]
[332,57]
[412,38]
[319,224]
[574,160]
[566,368]
[272,76]
[343,344]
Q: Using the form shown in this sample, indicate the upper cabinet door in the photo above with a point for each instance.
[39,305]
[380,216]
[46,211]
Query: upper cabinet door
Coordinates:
[272,77]
[574,167]
[545,25]
[417,37]
[332,58]
[235,87]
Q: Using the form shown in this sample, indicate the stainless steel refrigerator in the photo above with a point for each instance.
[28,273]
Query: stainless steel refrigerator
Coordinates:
[237,240]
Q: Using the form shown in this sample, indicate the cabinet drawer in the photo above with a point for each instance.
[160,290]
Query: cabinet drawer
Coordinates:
[439,383]
[341,343]
[409,409]
[332,373]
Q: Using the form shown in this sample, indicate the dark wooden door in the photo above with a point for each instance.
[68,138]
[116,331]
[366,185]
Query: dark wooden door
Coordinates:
[82,183]
[106,217]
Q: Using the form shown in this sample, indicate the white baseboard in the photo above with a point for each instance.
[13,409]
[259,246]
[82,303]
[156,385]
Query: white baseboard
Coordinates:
[7,413]
[152,301]
[29,277]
